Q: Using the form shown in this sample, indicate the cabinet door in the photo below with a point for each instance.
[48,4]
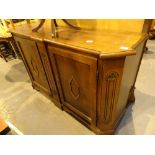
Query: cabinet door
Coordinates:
[76,77]
[32,61]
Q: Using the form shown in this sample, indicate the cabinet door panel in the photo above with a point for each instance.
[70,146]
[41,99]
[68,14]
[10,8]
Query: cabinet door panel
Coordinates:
[77,77]
[33,62]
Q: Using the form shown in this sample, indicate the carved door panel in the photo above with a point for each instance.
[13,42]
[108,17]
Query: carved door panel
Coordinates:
[33,63]
[76,75]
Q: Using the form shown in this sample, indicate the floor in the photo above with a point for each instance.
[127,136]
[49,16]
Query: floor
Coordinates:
[33,114]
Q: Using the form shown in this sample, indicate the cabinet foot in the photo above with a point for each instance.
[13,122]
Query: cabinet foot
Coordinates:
[33,86]
[105,132]
[131,98]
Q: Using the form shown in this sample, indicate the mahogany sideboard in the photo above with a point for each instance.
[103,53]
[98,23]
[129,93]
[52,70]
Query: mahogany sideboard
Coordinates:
[89,74]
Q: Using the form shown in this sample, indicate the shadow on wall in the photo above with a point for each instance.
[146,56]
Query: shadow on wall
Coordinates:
[139,117]
[17,73]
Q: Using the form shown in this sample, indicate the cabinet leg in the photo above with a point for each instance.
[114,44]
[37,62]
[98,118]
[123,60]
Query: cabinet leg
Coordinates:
[145,49]
[131,98]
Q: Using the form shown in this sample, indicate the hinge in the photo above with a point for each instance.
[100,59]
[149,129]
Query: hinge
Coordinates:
[97,76]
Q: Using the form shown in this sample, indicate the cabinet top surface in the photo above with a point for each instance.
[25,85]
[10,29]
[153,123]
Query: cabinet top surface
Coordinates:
[103,43]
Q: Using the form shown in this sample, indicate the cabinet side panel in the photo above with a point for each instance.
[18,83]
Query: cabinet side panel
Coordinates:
[131,67]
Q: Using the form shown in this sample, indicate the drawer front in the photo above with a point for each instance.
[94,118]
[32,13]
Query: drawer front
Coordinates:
[31,58]
[76,75]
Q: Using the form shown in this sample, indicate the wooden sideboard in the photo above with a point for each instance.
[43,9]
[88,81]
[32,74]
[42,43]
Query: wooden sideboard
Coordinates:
[89,74]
